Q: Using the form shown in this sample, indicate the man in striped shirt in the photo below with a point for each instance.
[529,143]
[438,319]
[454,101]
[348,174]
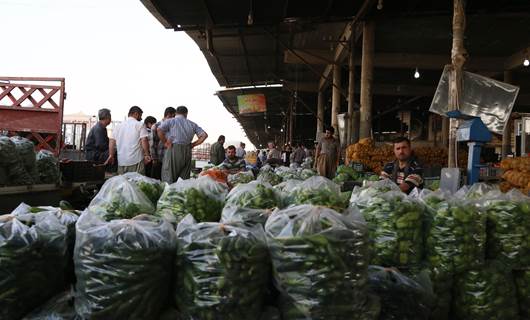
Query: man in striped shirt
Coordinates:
[177,135]
[406,171]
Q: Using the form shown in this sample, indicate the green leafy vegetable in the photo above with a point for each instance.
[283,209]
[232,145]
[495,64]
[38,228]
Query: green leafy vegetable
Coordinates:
[240,177]
[48,167]
[320,191]
[269,177]
[255,195]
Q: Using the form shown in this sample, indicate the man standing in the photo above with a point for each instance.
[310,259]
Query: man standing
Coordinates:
[327,154]
[158,149]
[149,122]
[177,135]
[233,163]
[240,152]
[405,171]
[298,154]
[274,156]
[97,142]
[130,138]
[217,151]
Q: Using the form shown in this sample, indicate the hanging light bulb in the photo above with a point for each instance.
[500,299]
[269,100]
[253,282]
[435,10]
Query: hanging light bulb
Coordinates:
[268,127]
[380,5]
[250,19]
[416,74]
[281,130]
[526,62]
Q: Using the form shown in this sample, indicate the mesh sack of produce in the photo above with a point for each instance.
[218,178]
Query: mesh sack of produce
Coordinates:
[8,152]
[287,173]
[240,177]
[402,298]
[456,233]
[395,222]
[222,270]
[47,167]
[32,255]
[120,199]
[203,198]
[123,267]
[320,191]
[508,227]
[26,152]
[522,286]
[255,195]
[270,177]
[247,216]
[60,307]
[485,293]
[152,188]
[320,263]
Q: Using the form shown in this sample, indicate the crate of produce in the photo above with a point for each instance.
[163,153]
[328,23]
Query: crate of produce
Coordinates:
[82,171]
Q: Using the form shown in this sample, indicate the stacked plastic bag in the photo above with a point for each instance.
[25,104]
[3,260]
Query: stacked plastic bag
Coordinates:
[320,263]
[32,259]
[203,198]
[222,270]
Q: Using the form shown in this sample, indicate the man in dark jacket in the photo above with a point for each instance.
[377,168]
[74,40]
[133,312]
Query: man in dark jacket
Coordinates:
[217,151]
[405,171]
[97,142]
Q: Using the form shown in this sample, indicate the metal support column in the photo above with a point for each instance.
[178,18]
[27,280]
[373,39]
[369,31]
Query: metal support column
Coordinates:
[508,128]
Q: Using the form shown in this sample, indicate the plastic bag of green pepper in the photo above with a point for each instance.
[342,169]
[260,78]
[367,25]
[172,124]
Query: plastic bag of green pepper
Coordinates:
[320,191]
[456,235]
[123,267]
[402,298]
[287,173]
[508,227]
[151,188]
[203,198]
[485,293]
[60,307]
[222,270]
[255,195]
[522,285]
[395,223]
[320,263]
[240,177]
[67,217]
[120,199]
[247,216]
[270,177]
[32,257]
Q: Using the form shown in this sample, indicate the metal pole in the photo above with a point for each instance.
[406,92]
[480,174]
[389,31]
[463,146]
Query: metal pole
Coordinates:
[507,134]
[350,124]
[367,66]
[335,98]
[458,58]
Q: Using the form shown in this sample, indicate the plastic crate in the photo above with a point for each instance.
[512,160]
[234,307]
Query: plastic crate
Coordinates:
[82,171]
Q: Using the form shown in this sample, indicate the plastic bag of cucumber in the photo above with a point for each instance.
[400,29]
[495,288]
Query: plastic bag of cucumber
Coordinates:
[320,263]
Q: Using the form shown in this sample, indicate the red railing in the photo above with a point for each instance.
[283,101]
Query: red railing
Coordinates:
[33,108]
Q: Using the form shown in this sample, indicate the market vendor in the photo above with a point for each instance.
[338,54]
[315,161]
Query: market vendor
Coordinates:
[405,171]
[232,163]
[327,154]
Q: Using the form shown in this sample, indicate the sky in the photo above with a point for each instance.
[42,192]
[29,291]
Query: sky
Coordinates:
[114,54]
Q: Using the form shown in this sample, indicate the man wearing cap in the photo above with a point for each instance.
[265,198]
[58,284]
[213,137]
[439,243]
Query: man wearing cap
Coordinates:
[130,139]
[177,134]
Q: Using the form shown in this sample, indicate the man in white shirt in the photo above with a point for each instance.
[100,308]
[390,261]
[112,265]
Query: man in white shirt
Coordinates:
[240,151]
[130,138]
